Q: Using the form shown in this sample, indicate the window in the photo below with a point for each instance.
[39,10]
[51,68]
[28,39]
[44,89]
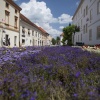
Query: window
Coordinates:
[7,17]
[78,38]
[16,19]
[33,42]
[6,40]
[86,27]
[33,33]
[40,35]
[15,40]
[86,10]
[81,37]
[30,41]
[81,23]
[36,34]
[90,34]
[98,32]
[7,5]
[90,15]
[15,11]
[23,41]
[98,7]
[28,32]
[81,10]
[23,29]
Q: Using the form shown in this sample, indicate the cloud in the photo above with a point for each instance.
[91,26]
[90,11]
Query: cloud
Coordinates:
[61,27]
[65,18]
[40,14]
[77,3]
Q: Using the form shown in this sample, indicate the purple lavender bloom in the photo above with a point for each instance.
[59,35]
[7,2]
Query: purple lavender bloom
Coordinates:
[35,94]
[32,98]
[77,74]
[12,94]
[91,93]
[0,92]
[75,94]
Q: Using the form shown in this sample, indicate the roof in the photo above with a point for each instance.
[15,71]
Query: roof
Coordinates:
[62,34]
[78,8]
[25,19]
[43,30]
[14,4]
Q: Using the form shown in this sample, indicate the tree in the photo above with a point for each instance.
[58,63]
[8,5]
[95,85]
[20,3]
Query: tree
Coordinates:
[53,41]
[68,31]
[58,40]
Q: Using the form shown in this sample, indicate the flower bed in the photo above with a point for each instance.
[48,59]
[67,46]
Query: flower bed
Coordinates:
[54,73]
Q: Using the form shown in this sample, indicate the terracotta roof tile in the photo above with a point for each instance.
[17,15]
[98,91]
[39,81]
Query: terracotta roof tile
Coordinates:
[43,30]
[27,20]
[31,23]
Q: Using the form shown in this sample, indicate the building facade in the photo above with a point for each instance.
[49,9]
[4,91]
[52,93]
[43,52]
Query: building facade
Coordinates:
[49,40]
[46,38]
[17,30]
[9,23]
[87,17]
[61,37]
[31,34]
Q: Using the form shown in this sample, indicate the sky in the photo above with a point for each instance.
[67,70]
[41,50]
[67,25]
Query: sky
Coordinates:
[51,15]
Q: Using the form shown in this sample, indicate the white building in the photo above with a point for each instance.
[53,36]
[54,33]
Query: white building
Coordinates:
[31,34]
[9,23]
[49,40]
[87,17]
[16,29]
[61,37]
[45,37]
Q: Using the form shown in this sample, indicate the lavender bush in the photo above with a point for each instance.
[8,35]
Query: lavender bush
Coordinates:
[51,73]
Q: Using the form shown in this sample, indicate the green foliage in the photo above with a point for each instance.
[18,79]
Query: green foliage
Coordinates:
[58,40]
[53,41]
[68,31]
